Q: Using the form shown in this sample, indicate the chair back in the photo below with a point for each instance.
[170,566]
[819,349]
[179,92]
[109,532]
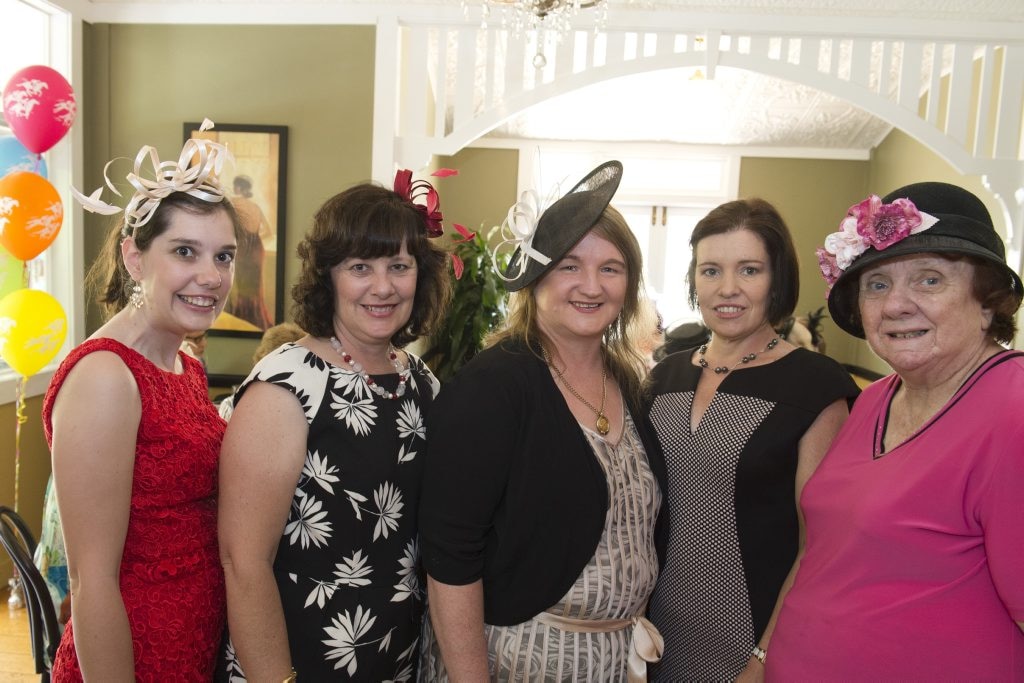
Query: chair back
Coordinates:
[44,632]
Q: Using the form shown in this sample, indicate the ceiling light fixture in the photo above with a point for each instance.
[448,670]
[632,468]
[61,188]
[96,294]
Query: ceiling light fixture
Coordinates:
[552,16]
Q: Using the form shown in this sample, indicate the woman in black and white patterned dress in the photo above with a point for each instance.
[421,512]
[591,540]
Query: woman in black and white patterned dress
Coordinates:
[743,421]
[320,470]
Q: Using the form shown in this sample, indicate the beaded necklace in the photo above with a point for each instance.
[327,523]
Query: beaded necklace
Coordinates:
[721,369]
[403,374]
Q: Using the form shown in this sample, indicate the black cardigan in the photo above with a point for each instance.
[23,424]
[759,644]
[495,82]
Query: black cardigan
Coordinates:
[512,492]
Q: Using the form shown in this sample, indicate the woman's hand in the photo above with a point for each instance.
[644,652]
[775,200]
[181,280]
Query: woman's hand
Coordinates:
[753,672]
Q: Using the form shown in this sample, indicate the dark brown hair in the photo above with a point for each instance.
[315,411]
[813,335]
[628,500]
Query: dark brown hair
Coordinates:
[369,221]
[994,291]
[109,278]
[762,219]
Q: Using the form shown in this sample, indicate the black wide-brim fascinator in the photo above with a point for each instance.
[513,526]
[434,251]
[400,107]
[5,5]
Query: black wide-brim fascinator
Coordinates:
[560,226]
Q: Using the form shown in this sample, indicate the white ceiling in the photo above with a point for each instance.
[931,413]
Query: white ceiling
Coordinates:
[735,108]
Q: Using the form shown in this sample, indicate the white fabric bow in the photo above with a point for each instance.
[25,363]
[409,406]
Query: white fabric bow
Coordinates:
[196,172]
[518,231]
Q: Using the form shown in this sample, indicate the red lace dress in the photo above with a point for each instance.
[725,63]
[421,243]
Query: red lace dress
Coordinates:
[171,579]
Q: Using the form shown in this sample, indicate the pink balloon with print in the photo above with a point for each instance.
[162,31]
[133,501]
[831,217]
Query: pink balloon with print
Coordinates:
[39,106]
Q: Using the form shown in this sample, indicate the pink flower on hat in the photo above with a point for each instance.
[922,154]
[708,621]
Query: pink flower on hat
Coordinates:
[883,225]
[829,266]
[847,244]
[869,224]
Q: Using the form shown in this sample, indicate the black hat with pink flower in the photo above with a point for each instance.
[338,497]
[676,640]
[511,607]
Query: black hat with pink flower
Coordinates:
[922,218]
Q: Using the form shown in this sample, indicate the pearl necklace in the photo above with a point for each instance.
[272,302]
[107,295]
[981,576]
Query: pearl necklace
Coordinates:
[602,425]
[721,369]
[403,375]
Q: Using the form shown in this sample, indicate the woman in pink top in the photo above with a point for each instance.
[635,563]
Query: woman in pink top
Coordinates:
[914,563]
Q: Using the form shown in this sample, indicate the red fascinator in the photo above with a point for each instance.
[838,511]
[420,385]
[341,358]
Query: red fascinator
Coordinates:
[423,196]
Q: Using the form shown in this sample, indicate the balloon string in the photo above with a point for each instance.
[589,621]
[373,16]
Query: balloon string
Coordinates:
[20,419]
[35,168]
[24,273]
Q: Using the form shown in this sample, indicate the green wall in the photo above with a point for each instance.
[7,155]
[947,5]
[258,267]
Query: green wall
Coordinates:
[480,196]
[151,79]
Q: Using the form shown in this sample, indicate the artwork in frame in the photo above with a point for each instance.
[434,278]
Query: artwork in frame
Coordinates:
[255,184]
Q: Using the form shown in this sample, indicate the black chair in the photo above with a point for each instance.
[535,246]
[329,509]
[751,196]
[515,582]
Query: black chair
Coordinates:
[42,615]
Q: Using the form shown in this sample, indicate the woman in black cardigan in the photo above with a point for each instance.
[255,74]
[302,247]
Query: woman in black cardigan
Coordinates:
[542,485]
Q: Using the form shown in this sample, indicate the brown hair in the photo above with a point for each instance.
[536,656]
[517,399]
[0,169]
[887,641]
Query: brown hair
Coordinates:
[994,292]
[109,278]
[762,219]
[369,221]
[625,363]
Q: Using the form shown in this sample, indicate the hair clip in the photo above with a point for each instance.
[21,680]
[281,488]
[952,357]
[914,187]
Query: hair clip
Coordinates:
[196,173]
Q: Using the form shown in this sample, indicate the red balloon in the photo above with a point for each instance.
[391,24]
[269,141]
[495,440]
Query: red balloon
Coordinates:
[39,106]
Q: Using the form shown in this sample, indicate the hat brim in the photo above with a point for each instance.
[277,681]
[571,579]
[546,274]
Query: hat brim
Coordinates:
[565,222]
[843,297]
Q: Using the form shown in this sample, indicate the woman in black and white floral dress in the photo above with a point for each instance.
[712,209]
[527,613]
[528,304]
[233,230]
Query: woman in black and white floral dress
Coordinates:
[320,470]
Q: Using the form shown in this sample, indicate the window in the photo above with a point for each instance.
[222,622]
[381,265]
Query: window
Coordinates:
[38,32]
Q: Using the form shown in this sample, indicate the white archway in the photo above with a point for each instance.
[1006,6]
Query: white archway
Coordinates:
[958,89]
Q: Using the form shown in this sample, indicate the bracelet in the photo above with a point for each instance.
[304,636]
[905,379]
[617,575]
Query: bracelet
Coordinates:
[291,677]
[760,654]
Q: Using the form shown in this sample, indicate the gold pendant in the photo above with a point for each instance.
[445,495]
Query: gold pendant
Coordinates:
[602,425]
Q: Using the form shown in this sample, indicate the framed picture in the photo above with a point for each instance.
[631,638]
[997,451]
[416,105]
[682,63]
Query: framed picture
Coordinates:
[255,184]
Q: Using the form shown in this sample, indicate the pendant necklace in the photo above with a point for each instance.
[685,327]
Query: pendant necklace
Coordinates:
[602,425]
[722,369]
[403,375]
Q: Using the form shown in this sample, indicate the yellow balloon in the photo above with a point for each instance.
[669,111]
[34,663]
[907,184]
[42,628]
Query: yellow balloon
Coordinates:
[32,330]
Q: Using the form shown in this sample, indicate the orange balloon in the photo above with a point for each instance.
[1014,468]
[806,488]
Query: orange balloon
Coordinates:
[31,214]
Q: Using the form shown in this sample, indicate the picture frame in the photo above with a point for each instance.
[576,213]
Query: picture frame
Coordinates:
[256,184]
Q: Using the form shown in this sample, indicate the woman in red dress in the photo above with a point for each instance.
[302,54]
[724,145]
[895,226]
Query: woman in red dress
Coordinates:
[135,438]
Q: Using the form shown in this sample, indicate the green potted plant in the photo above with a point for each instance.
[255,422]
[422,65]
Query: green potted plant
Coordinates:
[478,306]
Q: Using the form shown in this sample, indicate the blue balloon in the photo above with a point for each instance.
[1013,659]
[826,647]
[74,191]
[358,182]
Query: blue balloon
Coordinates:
[14,156]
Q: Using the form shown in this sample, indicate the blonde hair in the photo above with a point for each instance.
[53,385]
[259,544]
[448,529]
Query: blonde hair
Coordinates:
[274,337]
[625,363]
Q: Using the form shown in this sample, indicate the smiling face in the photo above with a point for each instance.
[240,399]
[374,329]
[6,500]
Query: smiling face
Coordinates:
[373,297]
[732,280]
[920,314]
[186,271]
[583,294]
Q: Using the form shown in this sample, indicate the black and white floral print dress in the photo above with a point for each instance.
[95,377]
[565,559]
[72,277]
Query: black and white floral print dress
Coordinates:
[347,564]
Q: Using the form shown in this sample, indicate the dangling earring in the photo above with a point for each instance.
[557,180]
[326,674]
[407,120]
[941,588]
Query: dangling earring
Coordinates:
[136,297]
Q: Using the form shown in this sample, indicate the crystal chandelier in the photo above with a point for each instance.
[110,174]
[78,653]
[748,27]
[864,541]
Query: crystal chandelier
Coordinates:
[552,17]
[531,15]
